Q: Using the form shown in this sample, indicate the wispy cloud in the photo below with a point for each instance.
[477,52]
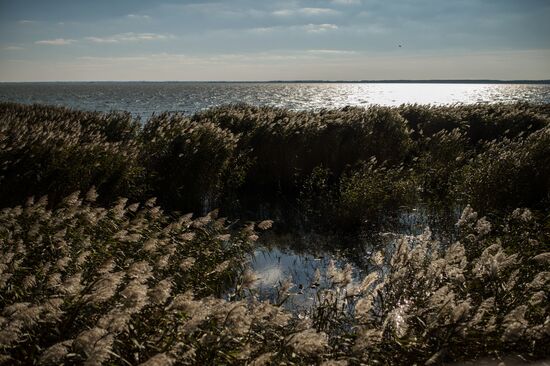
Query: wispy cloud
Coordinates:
[56,42]
[281,65]
[26,21]
[305,12]
[138,17]
[245,58]
[346,2]
[318,11]
[129,37]
[332,52]
[283,12]
[13,48]
[319,28]
[220,9]
[308,28]
[262,30]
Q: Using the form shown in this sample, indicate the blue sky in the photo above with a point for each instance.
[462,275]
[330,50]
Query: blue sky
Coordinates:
[274,40]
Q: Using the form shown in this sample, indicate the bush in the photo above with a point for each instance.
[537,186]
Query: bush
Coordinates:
[435,303]
[92,285]
[439,159]
[480,122]
[241,158]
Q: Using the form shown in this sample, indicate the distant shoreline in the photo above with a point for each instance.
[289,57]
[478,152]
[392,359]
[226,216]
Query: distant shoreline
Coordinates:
[431,81]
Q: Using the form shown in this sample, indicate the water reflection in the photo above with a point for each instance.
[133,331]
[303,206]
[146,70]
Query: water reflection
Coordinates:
[298,256]
[153,97]
[273,266]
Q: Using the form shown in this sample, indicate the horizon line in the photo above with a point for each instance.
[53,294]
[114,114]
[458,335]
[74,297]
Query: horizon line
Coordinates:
[305,81]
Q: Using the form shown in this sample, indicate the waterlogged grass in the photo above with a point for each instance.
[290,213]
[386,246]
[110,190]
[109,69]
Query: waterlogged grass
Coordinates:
[98,279]
[83,284]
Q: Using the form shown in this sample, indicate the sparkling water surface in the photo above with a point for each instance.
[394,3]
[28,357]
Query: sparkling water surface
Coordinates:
[146,98]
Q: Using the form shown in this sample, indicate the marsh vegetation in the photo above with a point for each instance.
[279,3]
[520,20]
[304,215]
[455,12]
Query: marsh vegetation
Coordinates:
[101,264]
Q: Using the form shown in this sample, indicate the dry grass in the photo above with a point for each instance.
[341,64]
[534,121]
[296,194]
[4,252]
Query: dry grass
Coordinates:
[82,284]
[96,280]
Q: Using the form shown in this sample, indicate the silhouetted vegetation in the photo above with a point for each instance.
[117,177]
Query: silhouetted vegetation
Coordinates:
[236,157]
[96,279]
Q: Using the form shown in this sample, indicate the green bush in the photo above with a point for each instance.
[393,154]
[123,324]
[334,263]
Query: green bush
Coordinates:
[438,160]
[480,122]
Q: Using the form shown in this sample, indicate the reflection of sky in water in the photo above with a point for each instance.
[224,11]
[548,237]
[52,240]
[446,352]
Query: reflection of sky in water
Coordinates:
[272,266]
[146,98]
[280,258]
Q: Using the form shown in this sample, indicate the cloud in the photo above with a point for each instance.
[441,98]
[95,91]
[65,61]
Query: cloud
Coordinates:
[305,12]
[309,28]
[262,30]
[346,2]
[114,59]
[281,65]
[251,58]
[332,52]
[13,48]
[56,42]
[269,276]
[26,21]
[138,17]
[318,11]
[212,10]
[319,28]
[283,12]
[281,29]
[129,37]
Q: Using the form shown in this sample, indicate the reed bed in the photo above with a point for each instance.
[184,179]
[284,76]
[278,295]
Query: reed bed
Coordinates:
[84,284]
[237,157]
[88,277]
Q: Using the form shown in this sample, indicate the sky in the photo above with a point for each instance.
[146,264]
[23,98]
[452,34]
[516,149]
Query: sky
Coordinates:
[84,40]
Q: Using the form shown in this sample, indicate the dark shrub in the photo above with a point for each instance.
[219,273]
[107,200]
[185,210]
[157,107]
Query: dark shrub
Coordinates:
[286,146]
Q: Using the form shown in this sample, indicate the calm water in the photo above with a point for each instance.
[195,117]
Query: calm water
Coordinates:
[146,98]
[298,256]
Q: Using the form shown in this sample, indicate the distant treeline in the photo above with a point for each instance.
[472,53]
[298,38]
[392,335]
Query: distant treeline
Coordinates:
[332,167]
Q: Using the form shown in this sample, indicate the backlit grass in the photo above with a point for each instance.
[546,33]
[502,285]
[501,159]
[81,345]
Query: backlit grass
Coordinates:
[89,277]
